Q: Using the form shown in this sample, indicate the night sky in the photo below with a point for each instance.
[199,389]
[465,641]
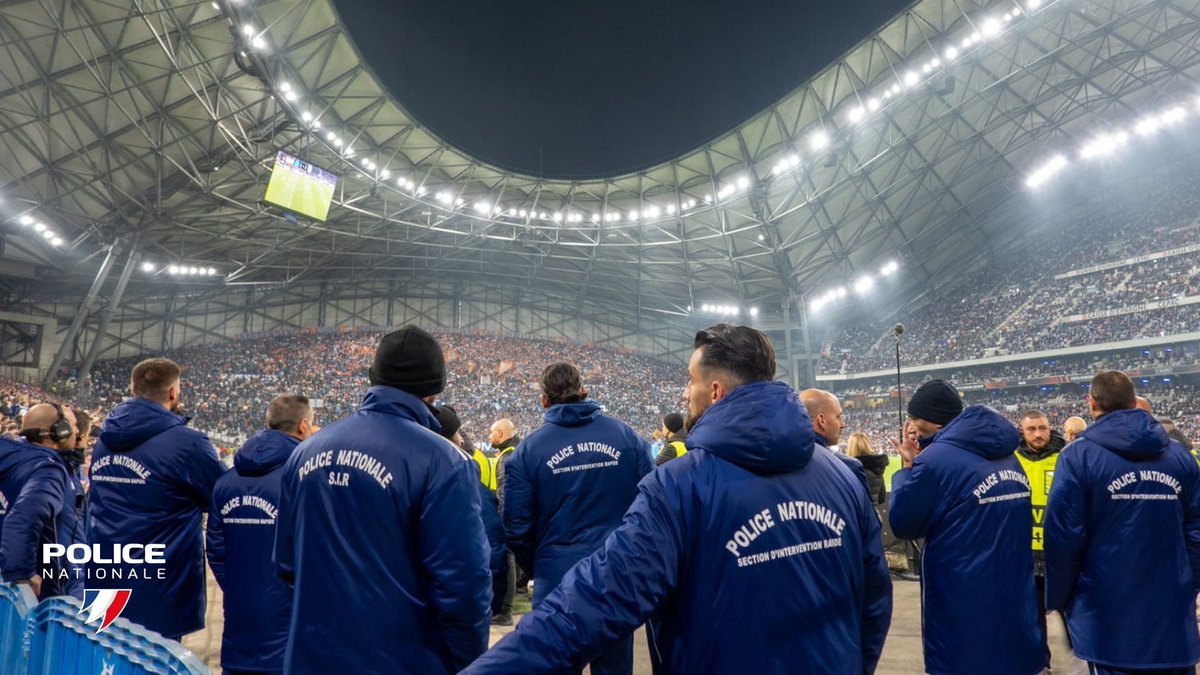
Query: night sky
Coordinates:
[574,89]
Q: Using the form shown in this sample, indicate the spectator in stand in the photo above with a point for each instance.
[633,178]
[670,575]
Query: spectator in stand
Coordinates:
[1122,526]
[1073,427]
[40,503]
[379,531]
[151,482]
[1174,433]
[567,487]
[674,439]
[241,542]
[962,490]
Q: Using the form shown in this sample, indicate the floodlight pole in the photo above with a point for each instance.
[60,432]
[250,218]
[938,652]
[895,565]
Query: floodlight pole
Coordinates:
[106,315]
[85,308]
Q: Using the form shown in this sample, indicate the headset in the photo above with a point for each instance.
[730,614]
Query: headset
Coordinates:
[59,432]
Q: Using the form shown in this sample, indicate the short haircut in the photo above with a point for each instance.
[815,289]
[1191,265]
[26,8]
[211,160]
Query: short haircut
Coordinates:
[82,420]
[153,378]
[286,412]
[562,383]
[740,351]
[1033,413]
[1112,390]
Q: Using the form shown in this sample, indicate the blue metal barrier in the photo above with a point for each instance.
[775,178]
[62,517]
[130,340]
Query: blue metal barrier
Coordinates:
[16,601]
[60,644]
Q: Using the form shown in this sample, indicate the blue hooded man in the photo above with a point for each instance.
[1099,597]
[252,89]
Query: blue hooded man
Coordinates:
[567,487]
[962,489]
[241,541]
[380,532]
[1122,539]
[151,483]
[751,553]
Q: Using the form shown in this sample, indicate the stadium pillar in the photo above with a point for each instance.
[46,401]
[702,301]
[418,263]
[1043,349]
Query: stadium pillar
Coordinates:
[85,308]
[787,342]
[809,361]
[85,371]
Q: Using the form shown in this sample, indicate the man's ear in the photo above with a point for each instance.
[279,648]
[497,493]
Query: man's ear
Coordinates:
[718,390]
[545,402]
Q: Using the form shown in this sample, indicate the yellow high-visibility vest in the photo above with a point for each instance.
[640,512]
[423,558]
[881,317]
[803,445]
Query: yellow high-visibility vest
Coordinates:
[492,485]
[680,448]
[1041,475]
[485,469]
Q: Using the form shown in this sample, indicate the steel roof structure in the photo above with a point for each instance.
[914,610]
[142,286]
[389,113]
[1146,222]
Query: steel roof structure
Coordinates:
[146,131]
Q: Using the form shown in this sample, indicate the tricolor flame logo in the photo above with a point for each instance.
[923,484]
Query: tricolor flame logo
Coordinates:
[104,605]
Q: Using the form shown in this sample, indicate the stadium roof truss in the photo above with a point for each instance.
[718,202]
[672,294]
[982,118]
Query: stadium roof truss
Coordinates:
[153,126]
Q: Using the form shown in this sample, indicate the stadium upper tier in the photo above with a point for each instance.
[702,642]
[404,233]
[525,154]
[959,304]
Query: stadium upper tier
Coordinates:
[1130,272]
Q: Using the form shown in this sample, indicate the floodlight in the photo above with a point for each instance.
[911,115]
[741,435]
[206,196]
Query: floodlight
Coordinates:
[670,209]
[212,271]
[285,87]
[38,227]
[935,62]
[1103,145]
[306,116]
[291,96]
[990,28]
[743,182]
[873,104]
[864,285]
[216,6]
[857,113]
[1043,173]
[819,140]
[966,42]
[895,90]
[147,266]
[753,311]
[1174,115]
[57,241]
[911,79]
[1033,4]
[841,292]
[48,234]
[248,30]
[557,216]
[927,68]
[258,43]
[521,213]
[26,221]
[173,269]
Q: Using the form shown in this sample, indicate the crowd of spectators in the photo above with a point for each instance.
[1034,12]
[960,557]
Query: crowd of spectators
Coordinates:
[226,387]
[1016,305]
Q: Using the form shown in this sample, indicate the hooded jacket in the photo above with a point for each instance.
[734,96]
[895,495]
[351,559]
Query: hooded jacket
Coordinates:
[37,506]
[566,488]
[151,482]
[1123,544]
[874,467]
[753,554]
[968,497]
[241,542]
[379,530]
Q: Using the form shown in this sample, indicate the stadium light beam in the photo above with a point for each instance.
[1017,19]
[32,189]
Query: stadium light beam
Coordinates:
[1045,172]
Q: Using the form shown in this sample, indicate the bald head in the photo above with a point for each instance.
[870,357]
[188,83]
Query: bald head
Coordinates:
[37,422]
[1073,427]
[501,431]
[825,411]
[1144,404]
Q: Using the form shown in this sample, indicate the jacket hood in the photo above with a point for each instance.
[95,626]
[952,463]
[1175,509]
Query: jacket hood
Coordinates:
[1132,434]
[14,454]
[982,431]
[573,414]
[391,401]
[136,421]
[264,452]
[876,464]
[761,427]
[1055,444]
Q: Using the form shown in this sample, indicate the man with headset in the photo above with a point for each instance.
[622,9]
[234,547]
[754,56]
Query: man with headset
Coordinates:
[37,503]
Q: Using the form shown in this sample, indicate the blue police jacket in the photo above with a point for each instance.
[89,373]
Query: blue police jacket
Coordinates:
[241,543]
[1122,542]
[750,554]
[379,530]
[151,482]
[37,507]
[968,497]
[566,488]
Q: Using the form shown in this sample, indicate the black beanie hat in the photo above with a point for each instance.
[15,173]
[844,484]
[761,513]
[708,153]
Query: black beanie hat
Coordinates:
[673,422]
[448,418]
[411,360]
[935,401]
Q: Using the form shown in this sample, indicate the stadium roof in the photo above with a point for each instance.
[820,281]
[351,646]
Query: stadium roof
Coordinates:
[157,123]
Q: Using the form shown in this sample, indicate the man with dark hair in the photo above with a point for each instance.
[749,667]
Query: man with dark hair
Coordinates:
[379,531]
[39,503]
[241,541]
[1123,539]
[674,439]
[1174,432]
[1038,455]
[567,487]
[962,490]
[750,554]
[151,483]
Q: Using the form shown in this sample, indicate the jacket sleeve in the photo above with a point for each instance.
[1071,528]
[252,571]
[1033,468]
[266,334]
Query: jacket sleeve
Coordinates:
[518,510]
[1191,517]
[1065,530]
[214,544]
[877,596]
[916,501]
[201,470]
[666,454]
[285,525]
[645,463]
[454,553]
[604,597]
[501,474]
[41,497]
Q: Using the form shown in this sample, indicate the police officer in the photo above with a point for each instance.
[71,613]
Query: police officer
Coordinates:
[752,553]
[1122,526]
[241,540]
[379,529]
[151,482]
[1038,454]
[962,490]
[39,503]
